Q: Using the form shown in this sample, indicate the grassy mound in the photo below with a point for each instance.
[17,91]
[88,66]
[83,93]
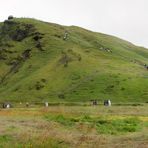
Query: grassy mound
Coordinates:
[42,61]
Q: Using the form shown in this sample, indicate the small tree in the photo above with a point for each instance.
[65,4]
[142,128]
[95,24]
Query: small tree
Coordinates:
[10,17]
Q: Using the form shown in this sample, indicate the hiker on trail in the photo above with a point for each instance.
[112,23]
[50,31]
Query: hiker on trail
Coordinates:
[6,105]
[27,104]
[107,103]
[46,104]
[65,35]
[94,102]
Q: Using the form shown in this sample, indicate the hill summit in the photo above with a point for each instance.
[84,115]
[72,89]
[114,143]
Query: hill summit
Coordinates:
[46,61]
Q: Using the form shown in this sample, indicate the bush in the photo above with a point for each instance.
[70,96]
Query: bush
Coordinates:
[10,17]
[61,96]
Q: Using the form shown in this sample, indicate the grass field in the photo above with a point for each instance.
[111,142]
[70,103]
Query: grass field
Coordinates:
[37,64]
[74,127]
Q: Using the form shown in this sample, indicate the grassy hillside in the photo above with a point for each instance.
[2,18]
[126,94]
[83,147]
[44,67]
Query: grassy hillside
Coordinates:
[43,61]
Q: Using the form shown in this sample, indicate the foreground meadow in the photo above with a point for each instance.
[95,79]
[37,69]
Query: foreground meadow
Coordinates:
[74,127]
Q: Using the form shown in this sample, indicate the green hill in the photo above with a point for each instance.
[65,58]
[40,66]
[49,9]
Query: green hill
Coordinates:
[45,61]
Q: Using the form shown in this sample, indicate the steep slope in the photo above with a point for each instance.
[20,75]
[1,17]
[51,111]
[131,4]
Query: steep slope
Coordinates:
[43,61]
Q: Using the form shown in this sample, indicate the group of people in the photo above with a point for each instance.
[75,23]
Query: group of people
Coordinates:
[46,104]
[9,105]
[106,102]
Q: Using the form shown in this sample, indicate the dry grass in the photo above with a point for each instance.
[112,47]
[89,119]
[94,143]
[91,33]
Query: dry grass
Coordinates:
[28,128]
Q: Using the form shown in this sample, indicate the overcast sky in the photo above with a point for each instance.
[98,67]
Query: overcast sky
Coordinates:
[127,19]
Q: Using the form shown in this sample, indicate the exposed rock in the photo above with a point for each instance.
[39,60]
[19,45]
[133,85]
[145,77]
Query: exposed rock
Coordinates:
[37,36]
[26,54]
[17,31]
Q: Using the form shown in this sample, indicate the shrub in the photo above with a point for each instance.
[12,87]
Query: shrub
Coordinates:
[61,96]
[10,17]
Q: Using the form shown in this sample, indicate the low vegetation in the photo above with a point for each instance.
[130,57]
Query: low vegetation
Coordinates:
[102,125]
[74,126]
